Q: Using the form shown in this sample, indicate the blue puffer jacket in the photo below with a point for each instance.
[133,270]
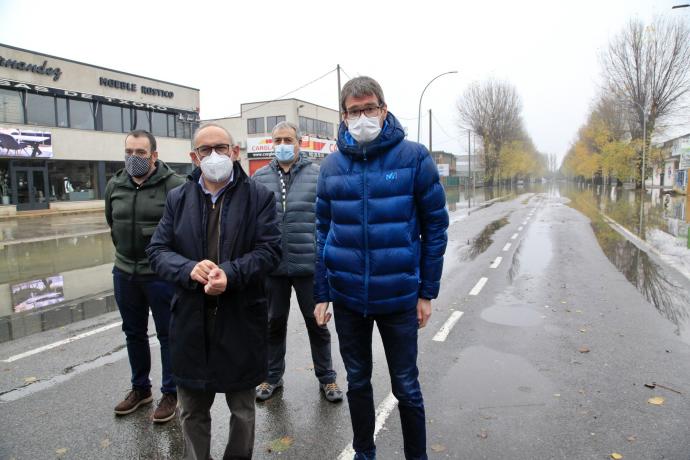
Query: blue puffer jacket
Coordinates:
[381,224]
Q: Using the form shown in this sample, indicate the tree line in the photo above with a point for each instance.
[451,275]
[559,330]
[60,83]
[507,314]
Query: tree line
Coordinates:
[645,82]
[493,110]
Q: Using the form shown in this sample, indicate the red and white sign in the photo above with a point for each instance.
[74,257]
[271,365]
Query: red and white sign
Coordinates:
[262,147]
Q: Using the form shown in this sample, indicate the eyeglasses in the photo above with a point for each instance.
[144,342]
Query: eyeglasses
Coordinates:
[367,111]
[138,152]
[205,150]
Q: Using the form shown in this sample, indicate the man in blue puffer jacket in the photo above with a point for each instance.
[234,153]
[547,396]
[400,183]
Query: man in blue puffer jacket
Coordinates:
[381,235]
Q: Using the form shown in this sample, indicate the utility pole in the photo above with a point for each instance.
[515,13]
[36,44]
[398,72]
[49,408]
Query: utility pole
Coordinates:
[469,171]
[430,149]
[340,110]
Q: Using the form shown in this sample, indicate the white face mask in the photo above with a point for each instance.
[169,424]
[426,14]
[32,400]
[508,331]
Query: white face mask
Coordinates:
[364,129]
[216,168]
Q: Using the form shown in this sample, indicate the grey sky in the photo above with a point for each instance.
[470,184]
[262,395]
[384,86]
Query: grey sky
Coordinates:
[248,51]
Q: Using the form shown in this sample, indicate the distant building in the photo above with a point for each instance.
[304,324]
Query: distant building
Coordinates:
[252,129]
[674,176]
[62,126]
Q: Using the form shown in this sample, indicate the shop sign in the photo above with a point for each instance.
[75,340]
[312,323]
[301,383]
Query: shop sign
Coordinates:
[443,170]
[128,86]
[188,114]
[314,147]
[42,69]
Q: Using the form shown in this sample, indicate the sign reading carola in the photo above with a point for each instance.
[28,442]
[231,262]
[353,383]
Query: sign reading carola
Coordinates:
[42,69]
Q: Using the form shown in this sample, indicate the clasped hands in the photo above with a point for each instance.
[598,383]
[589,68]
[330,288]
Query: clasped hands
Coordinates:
[211,276]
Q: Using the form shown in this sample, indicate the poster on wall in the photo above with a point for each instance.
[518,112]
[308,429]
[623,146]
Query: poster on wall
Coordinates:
[25,143]
[37,293]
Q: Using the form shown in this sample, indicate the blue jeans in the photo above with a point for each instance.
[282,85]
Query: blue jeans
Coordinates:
[134,295]
[399,335]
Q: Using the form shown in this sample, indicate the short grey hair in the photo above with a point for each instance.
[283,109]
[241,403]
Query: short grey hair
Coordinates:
[287,125]
[210,124]
[359,87]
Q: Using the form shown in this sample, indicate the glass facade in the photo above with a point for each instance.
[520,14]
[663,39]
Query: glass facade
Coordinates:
[312,127]
[11,110]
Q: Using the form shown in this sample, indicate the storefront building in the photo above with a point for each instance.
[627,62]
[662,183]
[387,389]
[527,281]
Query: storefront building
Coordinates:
[62,126]
[252,129]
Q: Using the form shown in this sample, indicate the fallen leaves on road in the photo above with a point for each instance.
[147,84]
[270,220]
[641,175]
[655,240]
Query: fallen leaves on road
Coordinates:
[28,380]
[483,434]
[105,443]
[61,451]
[583,350]
[656,400]
[616,456]
[281,444]
[438,448]
[583,330]
[631,438]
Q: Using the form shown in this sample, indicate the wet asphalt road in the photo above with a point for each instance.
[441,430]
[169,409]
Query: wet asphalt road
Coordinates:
[511,380]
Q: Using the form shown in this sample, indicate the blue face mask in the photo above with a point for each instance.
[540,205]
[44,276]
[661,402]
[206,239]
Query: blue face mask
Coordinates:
[285,153]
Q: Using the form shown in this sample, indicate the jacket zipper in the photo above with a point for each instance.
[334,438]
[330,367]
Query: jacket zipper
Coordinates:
[134,229]
[366,237]
[220,219]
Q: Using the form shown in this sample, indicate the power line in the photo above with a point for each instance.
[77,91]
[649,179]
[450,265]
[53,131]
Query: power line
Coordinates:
[457,138]
[346,74]
[286,94]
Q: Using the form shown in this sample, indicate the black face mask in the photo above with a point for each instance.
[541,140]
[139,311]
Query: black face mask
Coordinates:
[137,166]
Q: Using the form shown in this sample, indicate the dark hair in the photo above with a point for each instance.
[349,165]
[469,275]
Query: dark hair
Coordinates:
[146,134]
[361,86]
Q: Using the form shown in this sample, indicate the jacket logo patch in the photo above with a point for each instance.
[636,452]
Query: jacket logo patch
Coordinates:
[392,175]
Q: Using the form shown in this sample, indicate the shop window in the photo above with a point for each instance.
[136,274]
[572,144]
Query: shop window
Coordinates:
[126,120]
[159,124]
[141,120]
[11,110]
[62,116]
[111,118]
[73,180]
[171,125]
[255,126]
[272,121]
[81,114]
[303,124]
[310,126]
[40,109]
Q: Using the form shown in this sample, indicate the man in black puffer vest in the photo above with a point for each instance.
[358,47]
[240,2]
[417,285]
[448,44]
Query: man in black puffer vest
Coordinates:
[292,178]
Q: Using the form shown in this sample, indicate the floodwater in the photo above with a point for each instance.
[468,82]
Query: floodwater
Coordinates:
[642,214]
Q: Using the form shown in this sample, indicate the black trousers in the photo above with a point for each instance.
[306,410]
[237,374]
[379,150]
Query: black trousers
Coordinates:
[279,291]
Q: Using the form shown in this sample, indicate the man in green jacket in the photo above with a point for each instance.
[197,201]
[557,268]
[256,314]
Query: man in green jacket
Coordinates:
[134,203]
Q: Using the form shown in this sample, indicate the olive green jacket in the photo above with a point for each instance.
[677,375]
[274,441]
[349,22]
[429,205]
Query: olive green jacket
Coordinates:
[133,212]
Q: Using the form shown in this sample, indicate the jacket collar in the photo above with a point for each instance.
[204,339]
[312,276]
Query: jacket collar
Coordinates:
[301,162]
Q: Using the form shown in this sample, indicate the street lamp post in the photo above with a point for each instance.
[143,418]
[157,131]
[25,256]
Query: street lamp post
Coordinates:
[419,112]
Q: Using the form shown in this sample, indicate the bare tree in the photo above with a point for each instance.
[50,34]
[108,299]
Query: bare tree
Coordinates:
[492,110]
[648,68]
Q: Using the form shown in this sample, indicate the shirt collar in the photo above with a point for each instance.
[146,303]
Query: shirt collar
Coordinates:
[214,196]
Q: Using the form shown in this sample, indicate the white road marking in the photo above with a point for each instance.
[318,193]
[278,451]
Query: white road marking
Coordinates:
[524,222]
[507,246]
[59,343]
[496,263]
[478,287]
[382,413]
[515,235]
[520,228]
[447,327]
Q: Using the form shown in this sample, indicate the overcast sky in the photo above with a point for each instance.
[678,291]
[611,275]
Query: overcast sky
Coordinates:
[255,50]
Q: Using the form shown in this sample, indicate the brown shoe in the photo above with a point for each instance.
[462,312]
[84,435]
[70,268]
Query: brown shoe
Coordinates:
[166,408]
[133,400]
